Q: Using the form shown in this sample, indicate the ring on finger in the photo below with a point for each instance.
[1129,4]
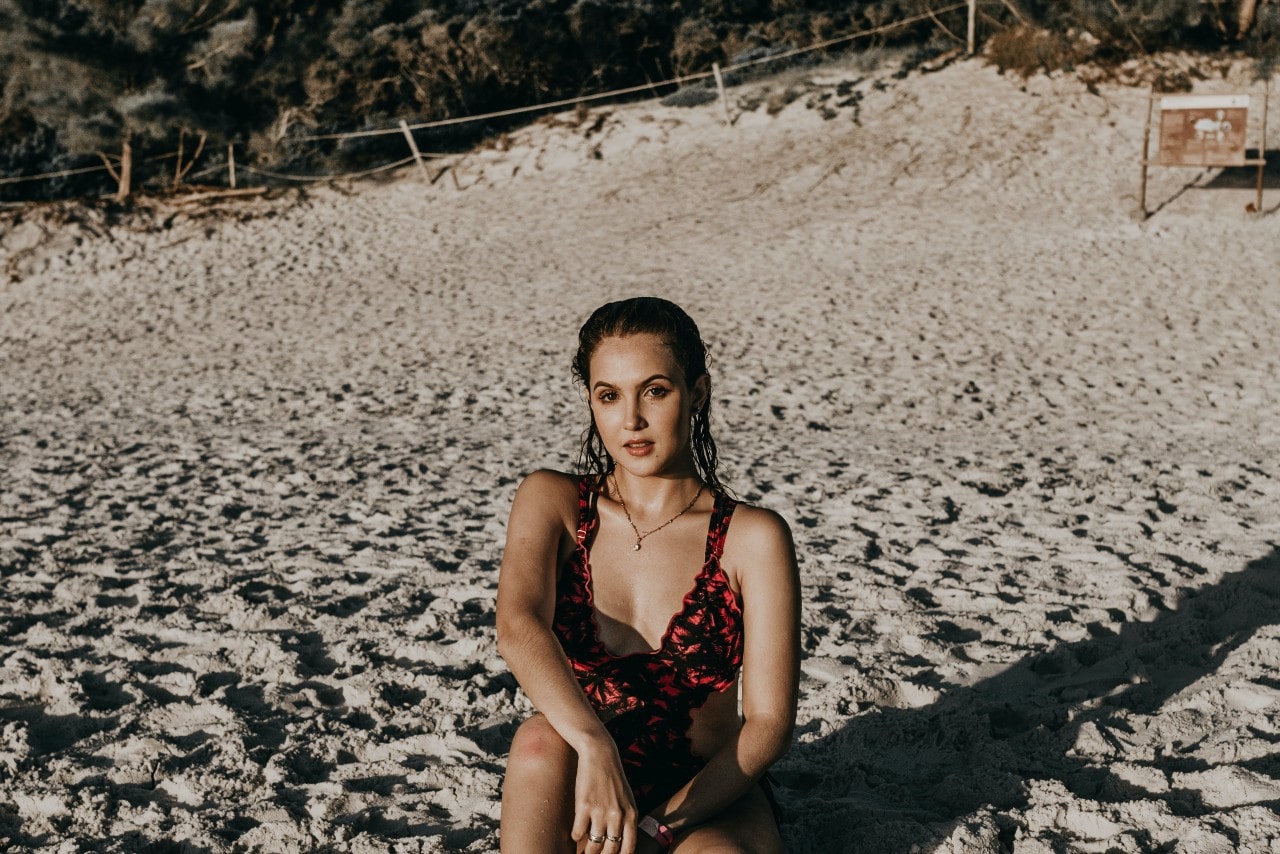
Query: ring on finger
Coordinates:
[613,838]
[591,837]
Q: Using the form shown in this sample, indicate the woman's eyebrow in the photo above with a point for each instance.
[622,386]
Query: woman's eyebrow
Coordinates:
[600,383]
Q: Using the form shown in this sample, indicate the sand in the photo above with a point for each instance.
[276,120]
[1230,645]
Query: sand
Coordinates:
[257,464]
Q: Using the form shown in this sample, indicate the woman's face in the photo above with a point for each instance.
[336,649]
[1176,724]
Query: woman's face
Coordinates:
[641,404]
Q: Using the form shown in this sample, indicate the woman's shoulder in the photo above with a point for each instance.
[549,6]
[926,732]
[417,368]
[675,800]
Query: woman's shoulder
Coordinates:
[549,488]
[550,479]
[546,497]
[758,526]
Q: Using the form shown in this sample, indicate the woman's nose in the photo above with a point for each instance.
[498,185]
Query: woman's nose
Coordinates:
[635,420]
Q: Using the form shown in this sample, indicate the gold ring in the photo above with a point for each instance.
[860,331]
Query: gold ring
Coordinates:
[613,838]
[591,837]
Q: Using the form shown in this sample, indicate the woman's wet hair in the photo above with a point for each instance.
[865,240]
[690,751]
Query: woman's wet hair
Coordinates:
[670,323]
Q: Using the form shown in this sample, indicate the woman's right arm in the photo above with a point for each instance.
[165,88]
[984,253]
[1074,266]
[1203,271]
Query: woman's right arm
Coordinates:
[545,507]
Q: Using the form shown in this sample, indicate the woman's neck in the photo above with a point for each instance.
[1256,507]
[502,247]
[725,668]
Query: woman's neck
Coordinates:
[657,494]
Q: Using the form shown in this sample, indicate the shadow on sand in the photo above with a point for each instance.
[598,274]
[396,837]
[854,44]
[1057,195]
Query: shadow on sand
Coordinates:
[1229,178]
[892,779]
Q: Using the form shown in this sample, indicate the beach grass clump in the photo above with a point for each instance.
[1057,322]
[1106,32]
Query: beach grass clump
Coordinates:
[1027,50]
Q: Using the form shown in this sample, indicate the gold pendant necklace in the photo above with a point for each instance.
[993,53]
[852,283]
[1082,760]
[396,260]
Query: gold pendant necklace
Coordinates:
[639,536]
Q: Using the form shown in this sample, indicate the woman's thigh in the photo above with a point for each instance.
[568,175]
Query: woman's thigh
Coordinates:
[745,827]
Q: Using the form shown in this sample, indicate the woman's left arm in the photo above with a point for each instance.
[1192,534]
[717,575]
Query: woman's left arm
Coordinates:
[770,598]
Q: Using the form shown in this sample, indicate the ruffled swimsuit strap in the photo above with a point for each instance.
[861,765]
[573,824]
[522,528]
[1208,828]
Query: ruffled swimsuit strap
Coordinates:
[587,519]
[718,529]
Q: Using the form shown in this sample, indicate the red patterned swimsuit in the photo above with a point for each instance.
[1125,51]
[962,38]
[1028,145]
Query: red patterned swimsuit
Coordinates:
[646,699]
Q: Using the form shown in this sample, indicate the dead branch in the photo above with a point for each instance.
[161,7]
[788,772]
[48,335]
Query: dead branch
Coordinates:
[199,149]
[106,161]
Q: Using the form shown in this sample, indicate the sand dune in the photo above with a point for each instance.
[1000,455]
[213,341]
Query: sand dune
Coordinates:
[257,466]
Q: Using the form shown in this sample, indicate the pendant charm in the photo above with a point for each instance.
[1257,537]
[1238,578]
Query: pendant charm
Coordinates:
[636,547]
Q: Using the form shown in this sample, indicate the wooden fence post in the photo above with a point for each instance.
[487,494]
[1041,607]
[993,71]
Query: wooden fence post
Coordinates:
[724,99]
[177,169]
[126,170]
[413,146]
[973,24]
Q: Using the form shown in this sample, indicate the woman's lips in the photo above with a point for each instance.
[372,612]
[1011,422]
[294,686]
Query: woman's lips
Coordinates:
[638,449]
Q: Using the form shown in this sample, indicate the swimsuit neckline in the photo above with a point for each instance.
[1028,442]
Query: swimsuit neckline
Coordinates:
[589,527]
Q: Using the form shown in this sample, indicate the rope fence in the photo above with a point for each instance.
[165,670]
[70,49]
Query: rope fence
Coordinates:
[404,128]
[60,174]
[80,171]
[514,111]
[670,81]
[822,45]
[281,177]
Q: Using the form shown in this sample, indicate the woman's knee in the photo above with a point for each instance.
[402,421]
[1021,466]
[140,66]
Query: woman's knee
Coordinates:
[538,749]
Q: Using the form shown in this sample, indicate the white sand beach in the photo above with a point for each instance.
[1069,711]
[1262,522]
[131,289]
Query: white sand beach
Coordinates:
[257,462]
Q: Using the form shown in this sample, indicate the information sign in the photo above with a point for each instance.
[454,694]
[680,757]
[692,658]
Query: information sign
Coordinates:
[1203,130]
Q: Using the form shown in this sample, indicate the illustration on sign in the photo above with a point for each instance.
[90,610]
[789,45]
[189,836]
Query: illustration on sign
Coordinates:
[1203,130]
[1215,129]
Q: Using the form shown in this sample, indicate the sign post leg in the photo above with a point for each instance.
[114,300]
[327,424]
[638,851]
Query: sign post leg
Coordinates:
[1262,144]
[1146,145]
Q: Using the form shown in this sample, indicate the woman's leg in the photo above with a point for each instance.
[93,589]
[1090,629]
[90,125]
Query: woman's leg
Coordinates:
[746,827]
[537,792]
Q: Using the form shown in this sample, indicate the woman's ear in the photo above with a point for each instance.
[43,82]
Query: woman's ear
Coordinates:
[701,391]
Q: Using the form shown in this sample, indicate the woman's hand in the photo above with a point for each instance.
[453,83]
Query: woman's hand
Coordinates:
[603,805]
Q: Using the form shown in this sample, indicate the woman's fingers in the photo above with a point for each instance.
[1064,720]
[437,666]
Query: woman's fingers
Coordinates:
[614,833]
[604,831]
[588,824]
[628,834]
[581,823]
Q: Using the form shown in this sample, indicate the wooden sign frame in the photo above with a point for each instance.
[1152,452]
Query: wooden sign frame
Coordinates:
[1213,119]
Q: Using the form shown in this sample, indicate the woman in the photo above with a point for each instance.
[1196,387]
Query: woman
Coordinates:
[629,600]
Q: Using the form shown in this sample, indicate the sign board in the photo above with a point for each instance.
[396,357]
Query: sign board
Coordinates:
[1203,130]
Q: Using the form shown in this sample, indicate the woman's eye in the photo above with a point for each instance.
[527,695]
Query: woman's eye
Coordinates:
[607,396]
[658,391]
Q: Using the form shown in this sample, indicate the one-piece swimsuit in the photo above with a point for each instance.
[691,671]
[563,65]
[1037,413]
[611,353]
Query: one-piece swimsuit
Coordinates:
[646,699]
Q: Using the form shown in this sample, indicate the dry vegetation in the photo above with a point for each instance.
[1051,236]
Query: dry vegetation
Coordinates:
[125,86]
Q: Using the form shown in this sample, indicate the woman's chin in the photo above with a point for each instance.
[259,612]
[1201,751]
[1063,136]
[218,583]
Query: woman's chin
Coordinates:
[637,468]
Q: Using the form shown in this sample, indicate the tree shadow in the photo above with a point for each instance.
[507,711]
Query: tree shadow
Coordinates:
[1246,177]
[894,779]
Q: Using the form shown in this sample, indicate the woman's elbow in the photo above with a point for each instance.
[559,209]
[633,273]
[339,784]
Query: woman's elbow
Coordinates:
[772,734]
[508,632]
[515,632]
[782,742]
